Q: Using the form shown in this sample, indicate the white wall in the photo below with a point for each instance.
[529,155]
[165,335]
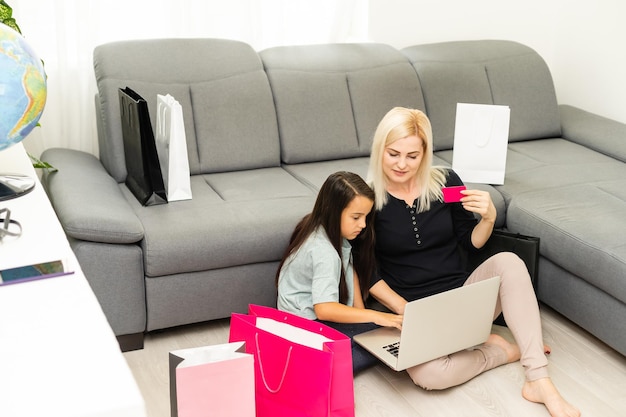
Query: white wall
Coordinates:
[583,45]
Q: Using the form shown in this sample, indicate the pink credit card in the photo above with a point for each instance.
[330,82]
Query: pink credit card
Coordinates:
[453,194]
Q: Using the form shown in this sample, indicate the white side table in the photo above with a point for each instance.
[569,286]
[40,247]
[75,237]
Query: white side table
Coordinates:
[58,354]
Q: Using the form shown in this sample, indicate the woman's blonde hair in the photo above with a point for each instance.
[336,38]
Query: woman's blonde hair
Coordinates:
[400,123]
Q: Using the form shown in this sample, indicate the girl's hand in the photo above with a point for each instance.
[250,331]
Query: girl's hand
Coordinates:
[389,320]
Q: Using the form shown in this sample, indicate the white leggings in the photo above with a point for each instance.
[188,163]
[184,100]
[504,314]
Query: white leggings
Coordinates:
[518,303]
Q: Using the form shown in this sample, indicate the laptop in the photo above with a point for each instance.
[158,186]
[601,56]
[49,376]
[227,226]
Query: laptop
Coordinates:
[436,326]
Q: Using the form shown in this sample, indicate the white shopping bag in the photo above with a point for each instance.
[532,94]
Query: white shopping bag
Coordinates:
[481,137]
[171,145]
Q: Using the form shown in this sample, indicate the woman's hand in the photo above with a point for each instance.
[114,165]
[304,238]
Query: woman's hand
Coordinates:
[478,201]
[388,297]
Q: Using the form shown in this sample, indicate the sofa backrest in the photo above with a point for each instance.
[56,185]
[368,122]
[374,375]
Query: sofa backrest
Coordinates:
[486,72]
[330,98]
[231,124]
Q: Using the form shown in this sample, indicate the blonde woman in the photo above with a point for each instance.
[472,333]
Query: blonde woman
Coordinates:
[417,239]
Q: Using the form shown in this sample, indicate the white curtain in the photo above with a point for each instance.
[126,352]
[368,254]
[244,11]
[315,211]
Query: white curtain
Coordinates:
[65,32]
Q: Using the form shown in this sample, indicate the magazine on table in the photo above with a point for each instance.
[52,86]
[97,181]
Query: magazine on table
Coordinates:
[33,272]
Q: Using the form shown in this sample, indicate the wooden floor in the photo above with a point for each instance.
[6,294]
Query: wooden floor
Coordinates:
[588,373]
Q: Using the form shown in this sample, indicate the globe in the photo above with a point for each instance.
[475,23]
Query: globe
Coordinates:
[22,88]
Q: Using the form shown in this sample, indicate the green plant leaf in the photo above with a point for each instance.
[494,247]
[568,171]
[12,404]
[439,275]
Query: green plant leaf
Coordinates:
[37,163]
[6,13]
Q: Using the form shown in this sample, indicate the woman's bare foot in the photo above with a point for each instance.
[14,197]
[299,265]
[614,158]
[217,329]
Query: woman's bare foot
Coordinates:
[543,391]
[512,351]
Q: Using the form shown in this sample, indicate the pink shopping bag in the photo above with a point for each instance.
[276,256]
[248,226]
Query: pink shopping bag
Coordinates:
[216,381]
[301,367]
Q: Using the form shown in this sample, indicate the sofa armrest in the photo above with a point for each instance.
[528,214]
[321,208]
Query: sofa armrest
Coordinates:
[87,200]
[595,132]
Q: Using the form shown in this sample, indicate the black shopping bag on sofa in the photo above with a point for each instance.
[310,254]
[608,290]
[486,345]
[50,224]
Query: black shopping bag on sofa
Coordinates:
[526,247]
[144,178]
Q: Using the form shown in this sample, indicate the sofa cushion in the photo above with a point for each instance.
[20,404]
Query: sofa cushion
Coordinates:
[261,184]
[551,163]
[330,98]
[315,116]
[486,72]
[313,174]
[444,85]
[246,217]
[524,83]
[594,131]
[594,250]
[87,200]
[235,123]
[237,90]
[375,91]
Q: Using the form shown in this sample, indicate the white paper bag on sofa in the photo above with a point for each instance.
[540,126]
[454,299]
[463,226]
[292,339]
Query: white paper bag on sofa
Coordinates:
[481,137]
[215,381]
[171,146]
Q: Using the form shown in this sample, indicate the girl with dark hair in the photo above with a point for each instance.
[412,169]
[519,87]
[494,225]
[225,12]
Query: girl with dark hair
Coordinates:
[327,267]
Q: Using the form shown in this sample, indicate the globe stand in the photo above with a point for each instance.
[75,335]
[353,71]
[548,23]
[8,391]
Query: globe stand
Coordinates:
[15,185]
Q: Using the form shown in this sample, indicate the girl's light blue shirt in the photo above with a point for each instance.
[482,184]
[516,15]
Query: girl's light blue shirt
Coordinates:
[311,275]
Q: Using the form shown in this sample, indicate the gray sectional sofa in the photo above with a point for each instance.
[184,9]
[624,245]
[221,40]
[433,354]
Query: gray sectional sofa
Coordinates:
[265,129]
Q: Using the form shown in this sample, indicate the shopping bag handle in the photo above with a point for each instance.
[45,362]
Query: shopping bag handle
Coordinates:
[282,379]
[162,112]
[483,141]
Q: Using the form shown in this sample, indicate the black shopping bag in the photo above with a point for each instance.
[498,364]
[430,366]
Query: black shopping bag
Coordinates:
[526,247]
[144,178]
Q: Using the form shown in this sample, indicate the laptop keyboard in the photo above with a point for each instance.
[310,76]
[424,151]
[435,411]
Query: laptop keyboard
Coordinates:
[393,348]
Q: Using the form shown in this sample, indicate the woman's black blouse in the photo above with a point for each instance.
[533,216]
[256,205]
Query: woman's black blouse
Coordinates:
[418,253]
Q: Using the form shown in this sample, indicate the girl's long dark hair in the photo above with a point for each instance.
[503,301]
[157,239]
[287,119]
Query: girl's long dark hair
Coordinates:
[336,193]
